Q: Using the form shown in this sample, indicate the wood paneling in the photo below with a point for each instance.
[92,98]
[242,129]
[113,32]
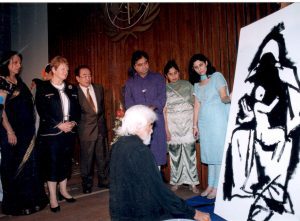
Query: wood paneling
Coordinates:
[77,32]
[5,28]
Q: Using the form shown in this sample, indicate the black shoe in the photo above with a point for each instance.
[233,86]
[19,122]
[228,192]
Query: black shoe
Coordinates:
[103,185]
[55,209]
[87,184]
[69,200]
[103,182]
[26,211]
[86,190]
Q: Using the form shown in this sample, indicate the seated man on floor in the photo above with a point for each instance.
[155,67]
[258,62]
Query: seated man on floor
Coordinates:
[137,191]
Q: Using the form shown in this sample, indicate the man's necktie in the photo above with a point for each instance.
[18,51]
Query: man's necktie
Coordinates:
[90,100]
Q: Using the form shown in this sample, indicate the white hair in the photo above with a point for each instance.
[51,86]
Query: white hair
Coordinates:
[136,118]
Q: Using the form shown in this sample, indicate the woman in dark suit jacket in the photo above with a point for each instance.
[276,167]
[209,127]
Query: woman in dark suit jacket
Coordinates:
[58,108]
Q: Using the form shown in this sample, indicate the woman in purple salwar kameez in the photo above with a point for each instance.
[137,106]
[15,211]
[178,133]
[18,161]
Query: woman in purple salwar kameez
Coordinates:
[148,88]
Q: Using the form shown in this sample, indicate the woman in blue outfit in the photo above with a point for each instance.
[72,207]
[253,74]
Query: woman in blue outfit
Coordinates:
[58,107]
[211,110]
[23,188]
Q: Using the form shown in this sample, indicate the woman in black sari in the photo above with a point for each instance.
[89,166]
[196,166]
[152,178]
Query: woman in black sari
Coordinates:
[23,189]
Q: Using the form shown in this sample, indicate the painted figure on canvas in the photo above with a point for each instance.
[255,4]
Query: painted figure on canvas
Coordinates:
[266,121]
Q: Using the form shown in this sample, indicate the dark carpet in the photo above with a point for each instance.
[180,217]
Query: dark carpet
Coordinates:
[205,205]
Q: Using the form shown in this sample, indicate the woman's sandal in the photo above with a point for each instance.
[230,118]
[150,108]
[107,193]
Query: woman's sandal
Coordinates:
[206,192]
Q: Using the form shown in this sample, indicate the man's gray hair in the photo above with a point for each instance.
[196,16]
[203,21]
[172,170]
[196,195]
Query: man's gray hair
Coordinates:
[135,119]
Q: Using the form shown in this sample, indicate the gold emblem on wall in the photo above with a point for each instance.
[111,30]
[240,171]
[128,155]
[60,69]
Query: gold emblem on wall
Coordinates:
[125,19]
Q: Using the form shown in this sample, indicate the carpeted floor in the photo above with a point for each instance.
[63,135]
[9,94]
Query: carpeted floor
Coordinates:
[94,206]
[205,205]
[89,207]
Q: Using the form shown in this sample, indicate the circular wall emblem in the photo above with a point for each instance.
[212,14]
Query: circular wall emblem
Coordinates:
[125,15]
[123,19]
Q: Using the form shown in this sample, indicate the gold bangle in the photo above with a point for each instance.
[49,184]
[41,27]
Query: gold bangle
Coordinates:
[10,132]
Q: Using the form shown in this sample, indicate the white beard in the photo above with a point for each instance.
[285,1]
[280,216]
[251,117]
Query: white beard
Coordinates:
[147,140]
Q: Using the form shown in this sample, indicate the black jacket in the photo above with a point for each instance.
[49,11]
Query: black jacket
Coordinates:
[49,107]
[137,191]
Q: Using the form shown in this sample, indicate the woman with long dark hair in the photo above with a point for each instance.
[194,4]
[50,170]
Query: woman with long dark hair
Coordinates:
[211,111]
[23,189]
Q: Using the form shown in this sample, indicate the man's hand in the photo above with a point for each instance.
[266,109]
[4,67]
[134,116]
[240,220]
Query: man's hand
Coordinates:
[201,216]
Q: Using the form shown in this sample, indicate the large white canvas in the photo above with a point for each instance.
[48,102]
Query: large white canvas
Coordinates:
[260,176]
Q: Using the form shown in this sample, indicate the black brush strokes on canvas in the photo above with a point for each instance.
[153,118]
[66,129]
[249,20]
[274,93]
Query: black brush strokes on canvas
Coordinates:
[265,111]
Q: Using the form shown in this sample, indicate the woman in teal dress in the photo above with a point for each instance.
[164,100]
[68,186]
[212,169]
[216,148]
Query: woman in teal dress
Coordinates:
[211,109]
[178,114]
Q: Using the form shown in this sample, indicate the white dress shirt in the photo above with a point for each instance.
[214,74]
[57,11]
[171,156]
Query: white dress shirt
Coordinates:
[64,100]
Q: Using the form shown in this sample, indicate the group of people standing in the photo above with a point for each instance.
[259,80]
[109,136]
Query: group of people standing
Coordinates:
[184,112]
[177,113]
[32,156]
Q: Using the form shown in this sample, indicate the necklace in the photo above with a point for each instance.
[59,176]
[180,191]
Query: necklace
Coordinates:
[12,79]
[57,83]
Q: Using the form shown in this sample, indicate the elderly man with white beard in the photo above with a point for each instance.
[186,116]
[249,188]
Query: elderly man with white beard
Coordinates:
[137,192]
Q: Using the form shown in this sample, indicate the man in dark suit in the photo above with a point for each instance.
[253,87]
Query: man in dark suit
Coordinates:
[92,129]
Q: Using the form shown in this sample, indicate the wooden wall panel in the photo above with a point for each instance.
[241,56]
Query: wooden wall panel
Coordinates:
[77,31]
[5,29]
[231,39]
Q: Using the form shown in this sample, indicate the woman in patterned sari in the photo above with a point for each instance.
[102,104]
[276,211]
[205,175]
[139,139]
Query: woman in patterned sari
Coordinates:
[178,114]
